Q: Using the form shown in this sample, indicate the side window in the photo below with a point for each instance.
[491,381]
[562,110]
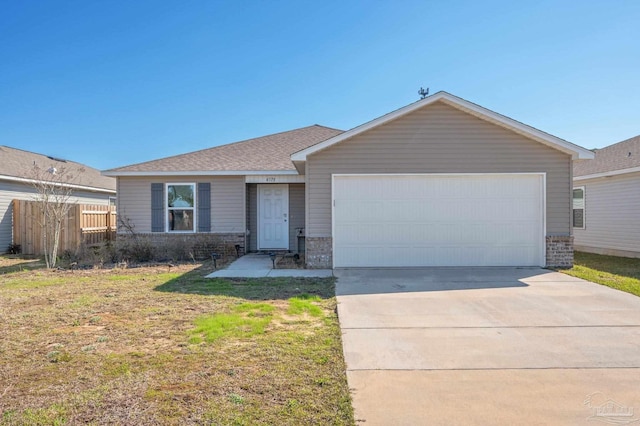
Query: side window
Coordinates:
[181,207]
[578,208]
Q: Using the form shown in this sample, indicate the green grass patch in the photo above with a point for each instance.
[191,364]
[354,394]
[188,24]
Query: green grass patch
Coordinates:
[117,278]
[621,273]
[246,320]
[33,282]
[305,303]
[116,368]
[255,309]
[54,415]
[83,301]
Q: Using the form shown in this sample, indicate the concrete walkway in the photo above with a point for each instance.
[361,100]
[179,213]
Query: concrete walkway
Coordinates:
[260,265]
[484,346]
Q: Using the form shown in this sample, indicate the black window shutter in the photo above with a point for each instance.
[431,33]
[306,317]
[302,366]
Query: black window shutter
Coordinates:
[157,207]
[204,207]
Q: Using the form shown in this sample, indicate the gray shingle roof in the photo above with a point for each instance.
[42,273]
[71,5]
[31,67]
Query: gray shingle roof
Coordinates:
[622,155]
[19,163]
[266,153]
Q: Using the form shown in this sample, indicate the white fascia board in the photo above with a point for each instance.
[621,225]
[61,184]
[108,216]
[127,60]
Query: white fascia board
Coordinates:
[607,174]
[202,173]
[63,185]
[576,152]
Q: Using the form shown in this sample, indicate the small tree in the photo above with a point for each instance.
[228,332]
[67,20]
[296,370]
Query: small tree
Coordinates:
[54,187]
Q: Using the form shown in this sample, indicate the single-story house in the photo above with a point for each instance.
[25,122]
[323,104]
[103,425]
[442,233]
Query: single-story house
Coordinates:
[606,201]
[439,182]
[17,176]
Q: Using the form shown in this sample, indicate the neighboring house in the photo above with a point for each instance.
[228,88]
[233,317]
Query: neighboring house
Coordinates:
[606,201]
[440,182]
[17,178]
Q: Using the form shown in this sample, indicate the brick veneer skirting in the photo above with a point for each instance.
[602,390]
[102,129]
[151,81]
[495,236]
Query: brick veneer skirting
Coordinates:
[319,252]
[185,246]
[559,251]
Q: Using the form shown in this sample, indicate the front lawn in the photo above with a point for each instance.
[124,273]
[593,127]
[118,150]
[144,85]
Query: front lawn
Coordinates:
[166,346]
[621,273]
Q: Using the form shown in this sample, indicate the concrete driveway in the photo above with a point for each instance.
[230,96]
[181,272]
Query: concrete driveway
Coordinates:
[488,346]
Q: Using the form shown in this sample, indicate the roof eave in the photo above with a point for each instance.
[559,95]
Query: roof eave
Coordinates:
[609,173]
[65,185]
[116,173]
[575,151]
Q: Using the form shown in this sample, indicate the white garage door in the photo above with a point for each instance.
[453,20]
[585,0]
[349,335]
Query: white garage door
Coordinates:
[438,220]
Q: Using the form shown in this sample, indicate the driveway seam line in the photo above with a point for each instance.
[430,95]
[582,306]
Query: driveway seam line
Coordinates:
[495,369]
[492,327]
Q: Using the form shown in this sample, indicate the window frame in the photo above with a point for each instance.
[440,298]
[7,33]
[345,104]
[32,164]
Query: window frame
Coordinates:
[584,208]
[193,208]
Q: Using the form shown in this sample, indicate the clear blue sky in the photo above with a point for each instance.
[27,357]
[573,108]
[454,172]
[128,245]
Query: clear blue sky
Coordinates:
[112,83]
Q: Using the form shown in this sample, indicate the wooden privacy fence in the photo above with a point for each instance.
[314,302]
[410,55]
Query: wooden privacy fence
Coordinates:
[84,224]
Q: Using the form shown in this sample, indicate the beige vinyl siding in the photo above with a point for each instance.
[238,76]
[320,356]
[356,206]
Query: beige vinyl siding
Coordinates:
[10,191]
[438,139]
[612,207]
[228,204]
[227,201]
[296,214]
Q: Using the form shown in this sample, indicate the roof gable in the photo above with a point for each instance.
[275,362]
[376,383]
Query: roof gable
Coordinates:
[263,155]
[575,151]
[621,157]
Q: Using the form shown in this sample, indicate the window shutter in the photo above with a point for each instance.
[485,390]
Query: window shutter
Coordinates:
[204,207]
[157,207]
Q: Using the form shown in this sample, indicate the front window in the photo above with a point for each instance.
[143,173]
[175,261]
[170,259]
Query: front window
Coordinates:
[180,207]
[578,208]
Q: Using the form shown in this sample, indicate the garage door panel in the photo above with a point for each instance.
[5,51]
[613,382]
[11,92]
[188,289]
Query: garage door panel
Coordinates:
[429,220]
[437,256]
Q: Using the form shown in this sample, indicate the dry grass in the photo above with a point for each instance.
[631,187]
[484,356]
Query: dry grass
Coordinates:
[118,347]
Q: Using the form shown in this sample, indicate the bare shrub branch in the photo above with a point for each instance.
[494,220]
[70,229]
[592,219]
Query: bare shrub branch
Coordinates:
[54,186]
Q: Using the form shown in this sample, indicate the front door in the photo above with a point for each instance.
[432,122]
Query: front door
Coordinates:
[273,217]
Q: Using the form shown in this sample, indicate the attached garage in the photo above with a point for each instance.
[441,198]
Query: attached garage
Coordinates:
[405,220]
[440,182]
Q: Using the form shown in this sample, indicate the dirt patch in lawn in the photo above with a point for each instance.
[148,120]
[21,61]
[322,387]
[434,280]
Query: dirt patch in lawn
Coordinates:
[119,346]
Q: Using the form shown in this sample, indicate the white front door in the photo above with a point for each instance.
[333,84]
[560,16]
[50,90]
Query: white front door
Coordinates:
[273,217]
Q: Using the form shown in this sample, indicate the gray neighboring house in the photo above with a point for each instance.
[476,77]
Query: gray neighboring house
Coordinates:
[16,183]
[440,182]
[606,201]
